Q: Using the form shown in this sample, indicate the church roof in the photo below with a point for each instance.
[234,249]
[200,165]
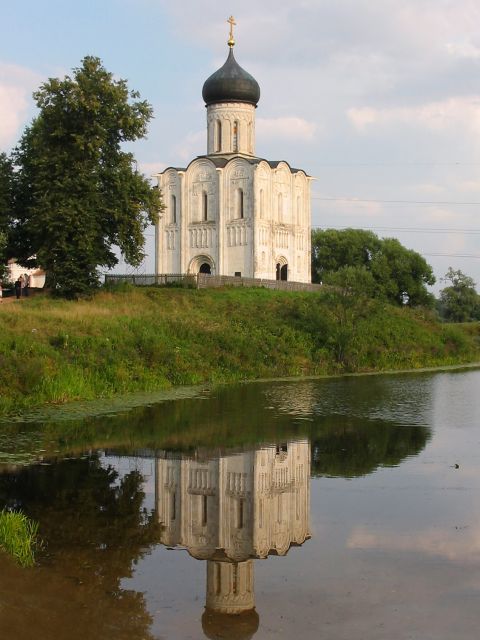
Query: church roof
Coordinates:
[231,83]
[221,161]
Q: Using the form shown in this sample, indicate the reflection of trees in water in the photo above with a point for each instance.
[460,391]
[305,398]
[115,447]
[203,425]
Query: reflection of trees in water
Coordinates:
[349,447]
[95,530]
[247,415]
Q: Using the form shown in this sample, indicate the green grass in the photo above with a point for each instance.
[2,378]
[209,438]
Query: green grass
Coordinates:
[147,339]
[18,537]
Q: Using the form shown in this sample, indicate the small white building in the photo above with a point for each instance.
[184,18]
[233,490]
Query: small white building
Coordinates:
[230,212]
[37,275]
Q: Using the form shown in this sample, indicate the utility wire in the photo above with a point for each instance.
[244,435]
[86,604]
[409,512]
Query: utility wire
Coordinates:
[453,255]
[411,230]
[365,200]
[396,164]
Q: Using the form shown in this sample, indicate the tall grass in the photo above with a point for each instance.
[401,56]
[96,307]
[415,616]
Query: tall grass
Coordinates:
[19,536]
[141,340]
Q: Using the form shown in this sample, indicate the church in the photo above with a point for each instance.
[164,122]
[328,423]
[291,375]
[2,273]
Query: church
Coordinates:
[230,212]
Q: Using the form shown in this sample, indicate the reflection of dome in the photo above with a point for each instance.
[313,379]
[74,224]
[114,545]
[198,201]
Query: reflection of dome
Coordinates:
[234,627]
[200,553]
[231,83]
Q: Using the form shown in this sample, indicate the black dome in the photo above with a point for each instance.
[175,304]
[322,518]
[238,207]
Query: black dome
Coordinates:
[231,83]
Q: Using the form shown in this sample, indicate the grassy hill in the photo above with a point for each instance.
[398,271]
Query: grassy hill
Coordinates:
[54,351]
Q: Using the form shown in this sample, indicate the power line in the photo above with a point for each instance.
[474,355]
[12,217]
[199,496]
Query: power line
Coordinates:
[365,200]
[412,230]
[396,164]
[453,255]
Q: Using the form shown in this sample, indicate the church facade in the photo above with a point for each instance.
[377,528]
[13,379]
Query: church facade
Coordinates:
[230,212]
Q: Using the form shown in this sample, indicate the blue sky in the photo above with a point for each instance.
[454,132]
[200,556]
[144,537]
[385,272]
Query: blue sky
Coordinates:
[379,100]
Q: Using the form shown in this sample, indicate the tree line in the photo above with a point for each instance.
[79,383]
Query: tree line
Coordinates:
[359,263]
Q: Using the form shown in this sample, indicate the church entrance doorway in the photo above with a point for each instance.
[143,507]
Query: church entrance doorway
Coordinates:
[202,264]
[205,268]
[282,271]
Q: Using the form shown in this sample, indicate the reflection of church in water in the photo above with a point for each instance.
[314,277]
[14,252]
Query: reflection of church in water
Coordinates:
[229,511]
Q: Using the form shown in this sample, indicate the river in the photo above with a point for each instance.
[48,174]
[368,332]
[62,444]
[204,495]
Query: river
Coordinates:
[338,508]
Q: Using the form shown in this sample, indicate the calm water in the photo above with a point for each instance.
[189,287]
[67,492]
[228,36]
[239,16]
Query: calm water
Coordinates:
[333,509]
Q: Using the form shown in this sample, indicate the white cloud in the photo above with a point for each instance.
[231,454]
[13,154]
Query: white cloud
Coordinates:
[463,50]
[151,168]
[429,189]
[458,113]
[13,106]
[461,545]
[290,128]
[16,86]
[193,144]
[468,185]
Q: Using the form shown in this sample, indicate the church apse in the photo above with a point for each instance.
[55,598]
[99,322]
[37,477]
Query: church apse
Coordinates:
[230,511]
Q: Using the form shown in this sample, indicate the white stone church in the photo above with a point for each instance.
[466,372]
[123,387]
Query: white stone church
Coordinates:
[230,212]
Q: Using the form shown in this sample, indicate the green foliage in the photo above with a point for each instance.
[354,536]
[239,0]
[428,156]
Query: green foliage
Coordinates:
[78,195]
[400,275]
[146,339]
[19,536]
[459,302]
[349,299]
[6,191]
[6,209]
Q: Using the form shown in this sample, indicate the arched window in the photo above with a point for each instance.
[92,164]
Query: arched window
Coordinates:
[250,138]
[173,209]
[262,203]
[240,210]
[280,207]
[235,136]
[218,132]
[299,210]
[204,206]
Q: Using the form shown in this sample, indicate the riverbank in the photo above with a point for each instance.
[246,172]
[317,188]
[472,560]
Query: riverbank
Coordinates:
[143,340]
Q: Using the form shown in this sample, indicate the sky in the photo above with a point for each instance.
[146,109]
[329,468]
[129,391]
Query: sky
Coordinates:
[378,100]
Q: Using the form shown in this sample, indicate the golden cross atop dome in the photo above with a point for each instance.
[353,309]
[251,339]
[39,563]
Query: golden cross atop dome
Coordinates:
[231,39]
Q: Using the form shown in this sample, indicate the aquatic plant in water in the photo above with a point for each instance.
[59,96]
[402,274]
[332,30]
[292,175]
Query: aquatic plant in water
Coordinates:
[19,536]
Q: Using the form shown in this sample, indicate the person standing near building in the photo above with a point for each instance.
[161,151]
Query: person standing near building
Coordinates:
[26,284]
[18,288]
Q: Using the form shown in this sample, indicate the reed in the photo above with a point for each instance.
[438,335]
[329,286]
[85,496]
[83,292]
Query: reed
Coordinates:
[19,536]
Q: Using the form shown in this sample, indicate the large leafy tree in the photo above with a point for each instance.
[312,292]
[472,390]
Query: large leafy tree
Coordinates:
[400,275]
[6,208]
[78,193]
[459,301]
